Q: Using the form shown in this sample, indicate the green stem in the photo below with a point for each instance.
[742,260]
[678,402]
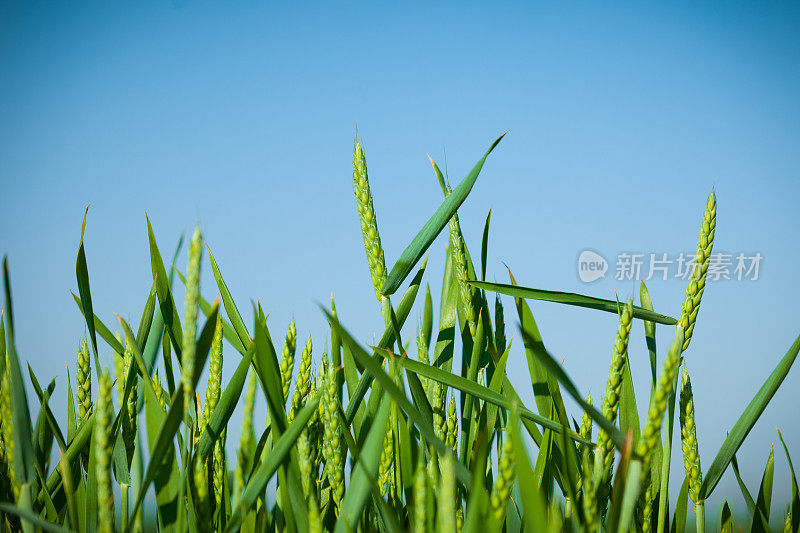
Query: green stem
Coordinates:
[124,512]
[665,460]
[700,516]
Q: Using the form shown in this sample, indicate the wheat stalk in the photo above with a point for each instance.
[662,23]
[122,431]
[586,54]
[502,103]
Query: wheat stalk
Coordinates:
[610,406]
[190,317]
[102,455]
[83,375]
[504,482]
[369,224]
[287,358]
[697,283]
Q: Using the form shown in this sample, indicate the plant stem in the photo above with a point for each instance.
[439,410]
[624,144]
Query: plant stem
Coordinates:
[700,516]
[124,511]
[666,459]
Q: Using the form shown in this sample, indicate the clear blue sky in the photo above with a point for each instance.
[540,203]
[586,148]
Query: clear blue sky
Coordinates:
[242,116]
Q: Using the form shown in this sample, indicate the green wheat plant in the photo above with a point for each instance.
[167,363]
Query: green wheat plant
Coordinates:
[367,436]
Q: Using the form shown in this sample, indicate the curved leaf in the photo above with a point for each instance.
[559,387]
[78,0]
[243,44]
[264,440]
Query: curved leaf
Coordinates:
[569,298]
[419,245]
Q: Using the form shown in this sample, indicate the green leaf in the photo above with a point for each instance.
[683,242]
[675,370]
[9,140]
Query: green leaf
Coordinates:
[617,437]
[164,440]
[746,422]
[478,391]
[51,419]
[386,340]
[167,478]
[748,498]
[169,312]
[472,376]
[76,446]
[485,245]
[225,407]
[795,509]
[389,386]
[628,412]
[277,455]
[20,415]
[420,244]
[764,501]
[427,317]
[365,471]
[101,329]
[534,506]
[230,306]
[569,298]
[681,505]
[726,519]
[33,518]
[630,496]
[82,274]
[649,332]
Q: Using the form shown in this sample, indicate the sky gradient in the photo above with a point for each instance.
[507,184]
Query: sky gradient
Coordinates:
[241,117]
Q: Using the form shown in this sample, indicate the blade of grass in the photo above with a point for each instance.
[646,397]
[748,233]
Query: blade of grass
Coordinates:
[386,340]
[33,518]
[169,313]
[20,415]
[748,498]
[795,493]
[365,470]
[389,387]
[746,422]
[276,456]
[425,237]
[82,275]
[617,437]
[171,425]
[764,501]
[569,298]
[485,245]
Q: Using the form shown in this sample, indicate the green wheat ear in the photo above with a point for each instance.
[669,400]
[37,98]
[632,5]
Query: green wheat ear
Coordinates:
[332,449]
[159,390]
[214,383]
[452,424]
[314,518]
[665,387]
[369,224]
[504,482]
[130,420]
[420,495]
[385,473]
[691,454]
[287,358]
[499,325]
[84,381]
[588,498]
[787,523]
[586,423]
[303,384]
[102,448]
[190,317]
[202,505]
[697,281]
[610,406]
[247,437]
[424,357]
[8,430]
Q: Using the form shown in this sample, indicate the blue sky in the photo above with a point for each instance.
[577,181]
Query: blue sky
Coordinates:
[241,117]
